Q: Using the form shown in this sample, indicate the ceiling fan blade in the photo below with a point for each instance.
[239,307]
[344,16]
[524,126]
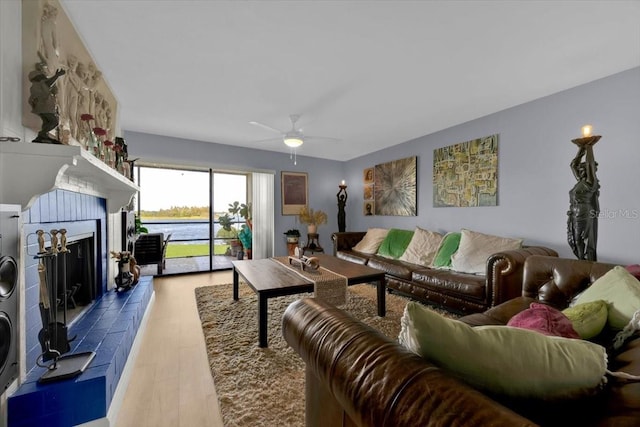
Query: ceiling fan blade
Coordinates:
[262,125]
[268,140]
[321,139]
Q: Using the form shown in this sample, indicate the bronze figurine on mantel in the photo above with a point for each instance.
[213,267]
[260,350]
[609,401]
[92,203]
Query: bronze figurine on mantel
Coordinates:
[43,101]
[584,208]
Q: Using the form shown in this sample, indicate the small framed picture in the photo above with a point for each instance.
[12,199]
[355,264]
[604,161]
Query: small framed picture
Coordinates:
[294,192]
[368,192]
[368,208]
[368,176]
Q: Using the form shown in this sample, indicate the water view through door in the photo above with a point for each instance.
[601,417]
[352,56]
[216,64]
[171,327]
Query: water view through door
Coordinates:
[191,208]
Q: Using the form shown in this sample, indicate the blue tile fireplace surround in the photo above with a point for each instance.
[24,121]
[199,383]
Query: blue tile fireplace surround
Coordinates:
[108,326]
[109,329]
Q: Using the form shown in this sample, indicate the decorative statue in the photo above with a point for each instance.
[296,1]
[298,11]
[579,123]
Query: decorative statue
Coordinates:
[342,202]
[582,222]
[74,87]
[48,48]
[43,101]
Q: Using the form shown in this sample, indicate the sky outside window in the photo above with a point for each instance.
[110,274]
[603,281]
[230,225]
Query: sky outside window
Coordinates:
[166,188]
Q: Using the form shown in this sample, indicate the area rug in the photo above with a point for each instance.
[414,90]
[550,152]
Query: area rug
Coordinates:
[265,386]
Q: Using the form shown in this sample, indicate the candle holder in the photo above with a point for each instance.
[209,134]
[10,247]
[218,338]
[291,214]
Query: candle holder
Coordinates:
[584,205]
[342,202]
[587,141]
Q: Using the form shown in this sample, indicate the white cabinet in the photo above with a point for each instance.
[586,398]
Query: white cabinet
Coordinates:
[11,69]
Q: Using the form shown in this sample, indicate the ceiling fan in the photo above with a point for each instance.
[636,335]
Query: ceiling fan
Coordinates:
[295,137]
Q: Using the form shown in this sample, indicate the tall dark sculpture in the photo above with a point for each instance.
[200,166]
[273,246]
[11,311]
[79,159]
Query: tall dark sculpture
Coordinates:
[43,100]
[342,202]
[584,208]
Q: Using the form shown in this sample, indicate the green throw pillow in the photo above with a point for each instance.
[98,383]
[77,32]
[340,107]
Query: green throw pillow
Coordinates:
[501,359]
[448,246]
[620,290]
[588,319]
[394,245]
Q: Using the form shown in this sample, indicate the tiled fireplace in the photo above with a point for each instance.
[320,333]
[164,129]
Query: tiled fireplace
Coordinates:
[84,193]
[84,217]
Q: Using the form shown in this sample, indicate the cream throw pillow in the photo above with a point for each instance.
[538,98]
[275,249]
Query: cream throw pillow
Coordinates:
[422,248]
[371,241]
[620,290]
[475,248]
[505,360]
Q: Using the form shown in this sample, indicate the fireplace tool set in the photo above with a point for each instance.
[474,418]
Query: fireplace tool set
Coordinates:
[53,336]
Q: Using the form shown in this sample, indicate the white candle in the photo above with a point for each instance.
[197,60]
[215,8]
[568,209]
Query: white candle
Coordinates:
[586,131]
[342,182]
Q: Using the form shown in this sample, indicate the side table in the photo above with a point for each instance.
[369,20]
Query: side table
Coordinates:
[313,244]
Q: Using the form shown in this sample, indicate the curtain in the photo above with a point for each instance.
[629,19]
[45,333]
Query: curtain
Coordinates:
[262,195]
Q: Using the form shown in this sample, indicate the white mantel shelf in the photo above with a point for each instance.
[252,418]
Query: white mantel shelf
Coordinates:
[28,170]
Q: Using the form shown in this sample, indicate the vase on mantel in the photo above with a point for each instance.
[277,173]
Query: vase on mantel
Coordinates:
[94,145]
[312,228]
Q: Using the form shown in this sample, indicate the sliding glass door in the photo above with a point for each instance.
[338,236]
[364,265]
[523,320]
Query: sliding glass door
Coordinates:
[229,197]
[187,206]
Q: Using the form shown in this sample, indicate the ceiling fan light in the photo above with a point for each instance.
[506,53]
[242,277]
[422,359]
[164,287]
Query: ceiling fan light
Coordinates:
[293,141]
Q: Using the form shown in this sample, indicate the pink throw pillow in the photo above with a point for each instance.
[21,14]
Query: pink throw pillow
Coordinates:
[634,269]
[544,319]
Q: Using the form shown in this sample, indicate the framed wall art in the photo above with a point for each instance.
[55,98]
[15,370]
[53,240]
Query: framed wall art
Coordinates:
[294,192]
[367,176]
[368,207]
[367,194]
[395,187]
[466,174]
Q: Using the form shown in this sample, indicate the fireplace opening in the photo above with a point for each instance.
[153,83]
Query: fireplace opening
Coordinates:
[73,279]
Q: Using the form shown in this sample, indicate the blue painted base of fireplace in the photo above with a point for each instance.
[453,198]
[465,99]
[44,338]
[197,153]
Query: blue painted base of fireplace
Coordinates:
[108,328]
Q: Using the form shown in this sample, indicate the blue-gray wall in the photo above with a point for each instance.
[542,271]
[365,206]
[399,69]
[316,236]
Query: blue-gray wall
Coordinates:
[534,177]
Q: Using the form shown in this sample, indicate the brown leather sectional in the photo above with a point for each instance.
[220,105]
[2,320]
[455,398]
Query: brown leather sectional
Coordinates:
[358,377]
[459,292]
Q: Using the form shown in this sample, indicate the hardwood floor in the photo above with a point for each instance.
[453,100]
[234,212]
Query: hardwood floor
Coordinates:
[171,384]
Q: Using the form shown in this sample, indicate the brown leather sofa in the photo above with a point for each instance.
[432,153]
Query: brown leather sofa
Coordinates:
[355,376]
[459,292]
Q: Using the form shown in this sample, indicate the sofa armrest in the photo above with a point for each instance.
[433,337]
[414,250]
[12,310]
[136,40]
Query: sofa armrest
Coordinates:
[378,382]
[505,272]
[346,240]
[557,281]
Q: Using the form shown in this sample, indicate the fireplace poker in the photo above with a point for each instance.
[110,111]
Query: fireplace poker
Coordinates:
[44,335]
[64,251]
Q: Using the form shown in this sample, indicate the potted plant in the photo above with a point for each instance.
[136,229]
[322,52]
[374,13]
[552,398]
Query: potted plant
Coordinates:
[312,218]
[229,232]
[245,237]
[245,213]
[293,235]
[243,210]
[138,224]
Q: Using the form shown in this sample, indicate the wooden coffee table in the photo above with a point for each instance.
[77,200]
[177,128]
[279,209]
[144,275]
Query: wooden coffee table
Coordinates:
[269,278]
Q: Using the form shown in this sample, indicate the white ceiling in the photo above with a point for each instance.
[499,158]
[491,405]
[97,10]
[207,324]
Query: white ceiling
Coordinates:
[372,73]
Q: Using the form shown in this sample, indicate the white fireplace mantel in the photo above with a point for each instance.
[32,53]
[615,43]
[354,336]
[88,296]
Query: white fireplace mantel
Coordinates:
[28,170]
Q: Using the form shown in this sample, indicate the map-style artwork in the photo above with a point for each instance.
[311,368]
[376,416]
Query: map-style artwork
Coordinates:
[466,174]
[395,188]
